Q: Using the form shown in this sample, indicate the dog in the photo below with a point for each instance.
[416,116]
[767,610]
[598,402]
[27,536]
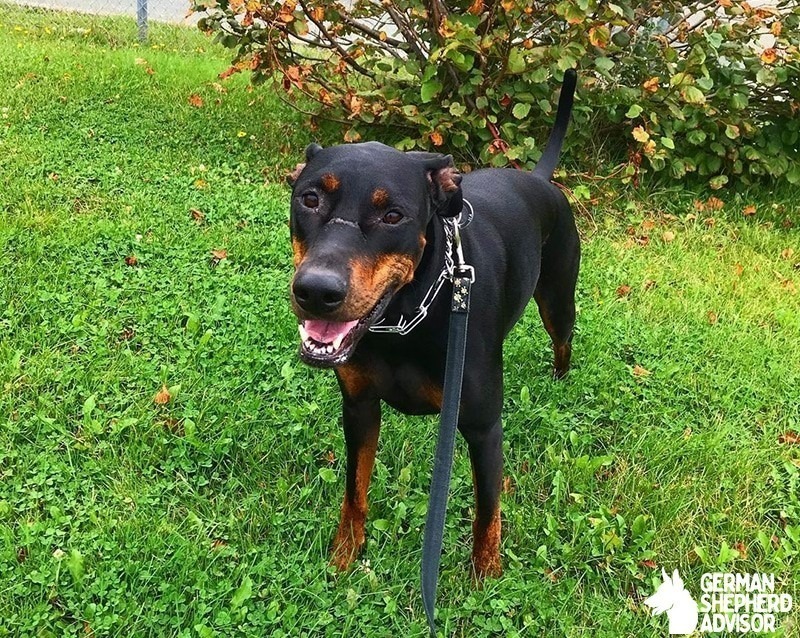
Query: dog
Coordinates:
[369,239]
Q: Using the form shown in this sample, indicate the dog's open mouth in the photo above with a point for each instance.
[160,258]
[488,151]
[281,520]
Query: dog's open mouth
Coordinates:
[330,343]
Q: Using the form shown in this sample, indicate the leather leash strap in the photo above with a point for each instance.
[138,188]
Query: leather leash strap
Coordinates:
[443,461]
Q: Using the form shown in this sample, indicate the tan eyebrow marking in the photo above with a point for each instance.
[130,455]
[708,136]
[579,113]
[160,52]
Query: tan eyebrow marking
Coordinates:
[380,198]
[330,183]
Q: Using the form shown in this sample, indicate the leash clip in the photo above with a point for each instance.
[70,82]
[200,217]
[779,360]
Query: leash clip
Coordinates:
[465,272]
[460,267]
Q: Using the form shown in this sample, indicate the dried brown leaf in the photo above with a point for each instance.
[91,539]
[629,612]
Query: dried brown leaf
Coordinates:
[163,396]
[790,437]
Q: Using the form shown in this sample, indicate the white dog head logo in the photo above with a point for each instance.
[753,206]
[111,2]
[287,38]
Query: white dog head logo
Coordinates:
[671,597]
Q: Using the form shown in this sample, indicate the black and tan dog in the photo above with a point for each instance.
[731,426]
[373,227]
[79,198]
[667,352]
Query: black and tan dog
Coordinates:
[368,241]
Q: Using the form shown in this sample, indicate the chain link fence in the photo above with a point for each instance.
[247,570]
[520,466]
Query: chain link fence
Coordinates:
[140,13]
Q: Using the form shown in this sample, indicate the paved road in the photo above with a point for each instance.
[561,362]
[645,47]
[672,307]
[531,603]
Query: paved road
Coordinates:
[158,10]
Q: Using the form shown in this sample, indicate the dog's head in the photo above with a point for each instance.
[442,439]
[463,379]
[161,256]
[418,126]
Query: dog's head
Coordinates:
[359,215]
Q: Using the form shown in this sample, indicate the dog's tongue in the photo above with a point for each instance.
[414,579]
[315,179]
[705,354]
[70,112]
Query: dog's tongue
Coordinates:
[327,331]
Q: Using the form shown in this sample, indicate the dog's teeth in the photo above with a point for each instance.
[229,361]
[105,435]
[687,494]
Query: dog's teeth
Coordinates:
[320,348]
[303,333]
[338,342]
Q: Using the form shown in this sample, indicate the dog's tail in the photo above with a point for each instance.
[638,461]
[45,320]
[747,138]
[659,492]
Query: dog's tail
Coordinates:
[547,164]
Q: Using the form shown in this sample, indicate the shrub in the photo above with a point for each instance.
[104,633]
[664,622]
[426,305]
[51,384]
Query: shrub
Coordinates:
[708,88]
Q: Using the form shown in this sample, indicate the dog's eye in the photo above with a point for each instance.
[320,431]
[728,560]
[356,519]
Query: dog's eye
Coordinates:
[392,217]
[310,200]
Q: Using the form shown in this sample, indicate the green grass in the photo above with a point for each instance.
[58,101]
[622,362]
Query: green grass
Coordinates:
[209,515]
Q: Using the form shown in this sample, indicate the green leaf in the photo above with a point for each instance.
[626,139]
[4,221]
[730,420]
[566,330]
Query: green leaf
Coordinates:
[704,83]
[521,111]
[718,182]
[327,474]
[620,38]
[679,79]
[696,56]
[604,64]
[381,524]
[738,101]
[457,109]
[572,13]
[766,76]
[89,406]
[714,39]
[430,90]
[702,554]
[429,71]
[516,61]
[696,137]
[678,168]
[566,62]
[668,142]
[287,370]
[639,526]
[75,565]
[192,322]
[299,26]
[726,554]
[243,593]
[693,95]
[634,111]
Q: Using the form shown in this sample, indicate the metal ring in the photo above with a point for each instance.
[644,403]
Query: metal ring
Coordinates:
[467,204]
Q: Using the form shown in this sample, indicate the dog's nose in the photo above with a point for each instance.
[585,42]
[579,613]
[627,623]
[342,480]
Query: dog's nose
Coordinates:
[319,292]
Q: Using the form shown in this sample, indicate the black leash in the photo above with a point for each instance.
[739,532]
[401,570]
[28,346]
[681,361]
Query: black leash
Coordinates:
[463,277]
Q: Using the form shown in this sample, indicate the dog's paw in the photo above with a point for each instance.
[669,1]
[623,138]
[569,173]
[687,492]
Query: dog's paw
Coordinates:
[346,548]
[560,373]
[343,557]
[486,567]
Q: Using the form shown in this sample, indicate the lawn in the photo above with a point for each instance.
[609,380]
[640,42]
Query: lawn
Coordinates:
[144,245]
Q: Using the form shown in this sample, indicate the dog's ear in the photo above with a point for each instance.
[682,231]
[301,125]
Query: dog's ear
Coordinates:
[444,180]
[292,177]
[311,150]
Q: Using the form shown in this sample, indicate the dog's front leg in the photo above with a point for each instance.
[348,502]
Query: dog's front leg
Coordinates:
[361,419]
[486,455]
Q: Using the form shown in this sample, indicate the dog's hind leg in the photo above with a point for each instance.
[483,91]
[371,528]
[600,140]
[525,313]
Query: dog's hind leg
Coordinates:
[361,419]
[555,291]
